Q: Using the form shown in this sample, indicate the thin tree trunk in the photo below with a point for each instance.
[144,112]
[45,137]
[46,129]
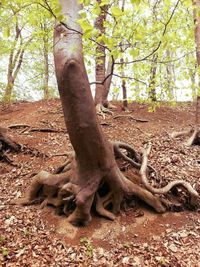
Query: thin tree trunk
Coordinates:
[152,83]
[8,91]
[46,70]
[107,83]
[124,91]
[169,78]
[197,120]
[193,83]
[15,63]
[197,41]
[100,69]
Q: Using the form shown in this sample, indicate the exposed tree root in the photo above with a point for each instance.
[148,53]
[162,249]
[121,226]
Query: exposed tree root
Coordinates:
[7,144]
[182,133]
[65,191]
[101,110]
[194,139]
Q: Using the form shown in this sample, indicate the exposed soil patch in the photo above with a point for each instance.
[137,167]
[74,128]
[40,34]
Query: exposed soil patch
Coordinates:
[138,237]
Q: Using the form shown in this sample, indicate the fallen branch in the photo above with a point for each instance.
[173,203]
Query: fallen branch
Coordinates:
[130,117]
[17,126]
[51,130]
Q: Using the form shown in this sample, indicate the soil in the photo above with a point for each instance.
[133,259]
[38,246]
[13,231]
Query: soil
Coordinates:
[139,236]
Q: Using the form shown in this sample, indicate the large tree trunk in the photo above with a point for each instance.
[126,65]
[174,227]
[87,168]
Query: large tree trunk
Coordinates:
[94,157]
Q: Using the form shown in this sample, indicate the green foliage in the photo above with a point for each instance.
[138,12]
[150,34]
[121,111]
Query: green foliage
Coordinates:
[136,33]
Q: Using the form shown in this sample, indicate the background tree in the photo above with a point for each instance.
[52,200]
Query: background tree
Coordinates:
[18,45]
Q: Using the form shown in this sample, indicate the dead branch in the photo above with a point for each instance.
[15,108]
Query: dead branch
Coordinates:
[47,130]
[17,126]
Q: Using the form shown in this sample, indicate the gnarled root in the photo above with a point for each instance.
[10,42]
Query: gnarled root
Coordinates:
[182,133]
[192,192]
[102,203]
[194,139]
[74,192]
[101,110]
[45,187]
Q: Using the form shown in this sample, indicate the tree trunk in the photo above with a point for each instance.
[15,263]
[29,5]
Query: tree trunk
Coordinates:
[125,101]
[192,73]
[169,78]
[124,92]
[100,69]
[152,83]
[46,70]
[8,91]
[197,41]
[94,157]
[15,63]
[107,83]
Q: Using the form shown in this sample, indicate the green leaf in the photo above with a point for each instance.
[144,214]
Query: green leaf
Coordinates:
[116,11]
[85,25]
[6,32]
[137,2]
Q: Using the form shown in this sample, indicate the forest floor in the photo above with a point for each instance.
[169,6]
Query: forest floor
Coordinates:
[33,237]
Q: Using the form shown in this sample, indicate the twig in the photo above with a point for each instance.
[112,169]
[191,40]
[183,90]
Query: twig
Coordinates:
[14,126]
[130,117]
[47,130]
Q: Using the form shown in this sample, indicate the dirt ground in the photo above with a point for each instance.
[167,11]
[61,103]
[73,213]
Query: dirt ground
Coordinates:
[138,237]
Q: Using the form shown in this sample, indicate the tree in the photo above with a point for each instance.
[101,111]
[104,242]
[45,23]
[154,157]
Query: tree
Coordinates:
[91,174]
[45,50]
[15,62]
[102,88]
[195,138]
